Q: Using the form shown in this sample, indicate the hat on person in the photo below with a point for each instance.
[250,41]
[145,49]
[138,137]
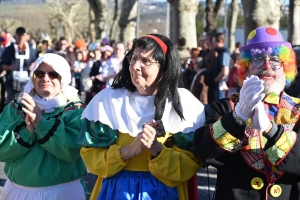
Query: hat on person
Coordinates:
[107,48]
[263,38]
[61,66]
[267,40]
[20,30]
[80,43]
[94,46]
[105,41]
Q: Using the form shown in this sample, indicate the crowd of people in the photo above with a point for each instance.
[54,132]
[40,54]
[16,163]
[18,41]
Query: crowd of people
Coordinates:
[154,114]
[93,66]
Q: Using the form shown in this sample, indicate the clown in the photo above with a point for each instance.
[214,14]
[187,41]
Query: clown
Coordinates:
[252,138]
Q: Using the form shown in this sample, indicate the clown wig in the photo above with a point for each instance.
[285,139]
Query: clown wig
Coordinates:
[285,54]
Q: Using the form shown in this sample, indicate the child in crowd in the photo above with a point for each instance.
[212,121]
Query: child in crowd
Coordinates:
[232,82]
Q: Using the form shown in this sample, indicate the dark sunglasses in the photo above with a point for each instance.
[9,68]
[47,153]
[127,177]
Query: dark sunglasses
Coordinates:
[41,74]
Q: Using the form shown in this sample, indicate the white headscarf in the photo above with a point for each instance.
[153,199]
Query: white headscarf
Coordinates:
[61,66]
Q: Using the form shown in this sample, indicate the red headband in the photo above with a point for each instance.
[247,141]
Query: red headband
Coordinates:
[160,42]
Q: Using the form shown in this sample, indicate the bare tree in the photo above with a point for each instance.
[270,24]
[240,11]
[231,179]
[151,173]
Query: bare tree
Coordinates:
[66,15]
[261,13]
[211,14]
[294,25]
[127,20]
[18,14]
[183,21]
[232,23]
[98,15]
[9,24]
[114,33]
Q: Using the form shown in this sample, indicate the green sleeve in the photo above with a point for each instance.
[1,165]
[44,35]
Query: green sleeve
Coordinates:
[58,135]
[184,141]
[96,135]
[15,139]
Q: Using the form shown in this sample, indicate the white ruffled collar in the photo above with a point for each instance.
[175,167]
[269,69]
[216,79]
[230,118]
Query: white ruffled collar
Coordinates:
[127,112]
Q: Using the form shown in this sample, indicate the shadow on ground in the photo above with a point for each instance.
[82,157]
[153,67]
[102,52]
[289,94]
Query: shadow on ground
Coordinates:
[2,182]
[90,181]
[206,179]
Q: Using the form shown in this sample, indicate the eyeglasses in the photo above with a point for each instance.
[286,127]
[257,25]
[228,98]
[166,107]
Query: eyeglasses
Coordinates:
[274,62]
[41,74]
[144,62]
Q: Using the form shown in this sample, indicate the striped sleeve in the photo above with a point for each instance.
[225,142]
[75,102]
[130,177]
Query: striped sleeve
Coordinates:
[282,147]
[224,139]
[96,135]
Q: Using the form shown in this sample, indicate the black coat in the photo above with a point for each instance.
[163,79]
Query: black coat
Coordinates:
[234,175]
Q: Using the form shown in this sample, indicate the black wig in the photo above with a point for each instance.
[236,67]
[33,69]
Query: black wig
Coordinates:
[170,66]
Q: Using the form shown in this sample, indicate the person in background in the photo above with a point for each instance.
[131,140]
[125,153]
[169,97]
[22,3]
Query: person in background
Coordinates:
[253,138]
[3,41]
[232,81]
[207,52]
[102,71]
[42,48]
[108,73]
[199,85]
[188,71]
[137,135]
[237,48]
[201,40]
[80,45]
[62,49]
[118,56]
[38,136]
[129,45]
[15,57]
[53,45]
[193,56]
[219,70]
[93,56]
[183,52]
[9,39]
[78,66]
[32,44]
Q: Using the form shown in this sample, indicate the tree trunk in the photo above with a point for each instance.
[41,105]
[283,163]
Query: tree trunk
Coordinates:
[294,25]
[232,23]
[127,20]
[183,21]
[100,10]
[92,25]
[174,21]
[114,33]
[211,12]
[261,13]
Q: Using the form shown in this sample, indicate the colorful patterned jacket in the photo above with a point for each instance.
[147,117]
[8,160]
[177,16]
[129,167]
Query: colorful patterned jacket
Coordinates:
[250,166]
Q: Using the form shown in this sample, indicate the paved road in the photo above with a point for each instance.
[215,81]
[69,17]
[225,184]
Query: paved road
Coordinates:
[2,178]
[203,192]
